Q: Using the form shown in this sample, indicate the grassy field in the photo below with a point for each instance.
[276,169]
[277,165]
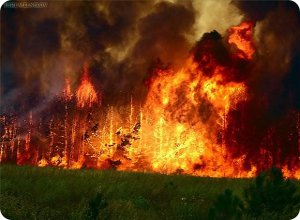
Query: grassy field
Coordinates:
[52,193]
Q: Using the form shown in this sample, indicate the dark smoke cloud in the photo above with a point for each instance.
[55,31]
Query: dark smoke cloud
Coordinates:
[162,37]
[256,10]
[164,28]
[30,39]
[118,39]
[277,60]
[165,31]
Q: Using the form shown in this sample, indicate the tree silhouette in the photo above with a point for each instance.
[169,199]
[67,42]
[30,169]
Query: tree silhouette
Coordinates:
[272,195]
[226,206]
[95,205]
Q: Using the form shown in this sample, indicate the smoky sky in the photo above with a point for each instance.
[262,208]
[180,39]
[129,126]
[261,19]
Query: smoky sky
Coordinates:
[121,40]
[118,40]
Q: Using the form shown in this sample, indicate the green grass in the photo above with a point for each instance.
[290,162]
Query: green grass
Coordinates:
[52,193]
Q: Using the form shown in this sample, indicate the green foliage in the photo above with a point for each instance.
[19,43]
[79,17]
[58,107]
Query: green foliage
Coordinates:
[226,206]
[141,203]
[162,195]
[52,193]
[95,205]
[272,195]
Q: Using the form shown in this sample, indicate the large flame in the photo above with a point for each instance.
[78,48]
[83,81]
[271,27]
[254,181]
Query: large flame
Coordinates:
[186,108]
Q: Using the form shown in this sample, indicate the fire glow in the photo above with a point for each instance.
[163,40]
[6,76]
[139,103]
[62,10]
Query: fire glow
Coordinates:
[180,128]
[86,95]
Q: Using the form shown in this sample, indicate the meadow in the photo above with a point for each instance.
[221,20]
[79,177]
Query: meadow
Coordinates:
[53,193]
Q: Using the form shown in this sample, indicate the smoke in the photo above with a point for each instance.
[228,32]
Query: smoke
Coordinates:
[214,15]
[165,29]
[42,47]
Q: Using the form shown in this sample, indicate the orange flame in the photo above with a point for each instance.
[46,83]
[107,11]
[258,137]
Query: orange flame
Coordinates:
[241,37]
[183,136]
[86,94]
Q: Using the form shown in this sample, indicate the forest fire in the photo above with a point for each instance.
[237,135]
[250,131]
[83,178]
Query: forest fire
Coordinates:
[193,120]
